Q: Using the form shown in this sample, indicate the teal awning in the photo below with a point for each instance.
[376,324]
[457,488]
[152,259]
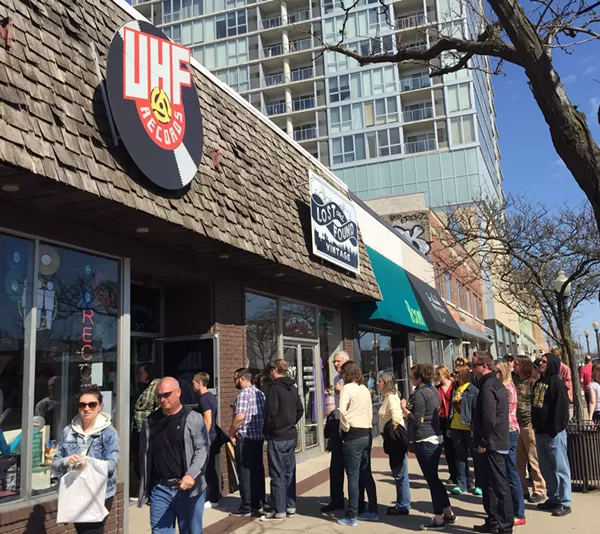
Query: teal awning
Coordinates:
[399,304]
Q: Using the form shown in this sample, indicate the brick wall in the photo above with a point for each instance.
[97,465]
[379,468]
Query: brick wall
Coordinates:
[41,519]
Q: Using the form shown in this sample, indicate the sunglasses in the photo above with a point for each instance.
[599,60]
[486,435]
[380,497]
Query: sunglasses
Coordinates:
[165,395]
[478,364]
[92,405]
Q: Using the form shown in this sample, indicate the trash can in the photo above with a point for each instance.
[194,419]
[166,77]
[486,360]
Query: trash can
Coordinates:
[583,448]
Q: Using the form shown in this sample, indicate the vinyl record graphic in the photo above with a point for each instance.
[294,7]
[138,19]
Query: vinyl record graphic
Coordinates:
[154,104]
[49,260]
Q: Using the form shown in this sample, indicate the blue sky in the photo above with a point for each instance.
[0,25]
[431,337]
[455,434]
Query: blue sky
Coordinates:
[530,164]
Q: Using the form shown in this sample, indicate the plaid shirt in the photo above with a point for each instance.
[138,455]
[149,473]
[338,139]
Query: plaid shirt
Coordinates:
[250,401]
[146,403]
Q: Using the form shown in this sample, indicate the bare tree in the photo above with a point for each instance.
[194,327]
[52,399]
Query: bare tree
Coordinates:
[501,30]
[521,249]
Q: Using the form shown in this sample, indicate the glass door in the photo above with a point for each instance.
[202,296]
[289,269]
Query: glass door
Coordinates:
[301,360]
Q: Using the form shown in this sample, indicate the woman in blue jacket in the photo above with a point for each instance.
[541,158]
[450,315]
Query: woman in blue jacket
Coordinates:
[90,435]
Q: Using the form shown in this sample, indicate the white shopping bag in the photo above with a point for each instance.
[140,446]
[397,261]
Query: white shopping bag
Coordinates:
[81,494]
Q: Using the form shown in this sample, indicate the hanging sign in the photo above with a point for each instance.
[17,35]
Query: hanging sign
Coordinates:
[334,226]
[154,104]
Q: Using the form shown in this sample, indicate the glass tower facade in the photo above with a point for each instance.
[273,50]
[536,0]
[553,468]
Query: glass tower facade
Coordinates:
[384,129]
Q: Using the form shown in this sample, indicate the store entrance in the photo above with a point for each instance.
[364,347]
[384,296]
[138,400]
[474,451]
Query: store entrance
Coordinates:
[301,358]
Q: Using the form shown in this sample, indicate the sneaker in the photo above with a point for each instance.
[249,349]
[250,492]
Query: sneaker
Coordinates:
[257,513]
[290,512]
[214,504]
[478,492]
[207,505]
[368,516]
[561,511]
[331,507]
[457,491]
[394,510]
[450,519]
[486,529]
[240,513]
[519,521]
[548,505]
[433,525]
[348,521]
[272,516]
[535,498]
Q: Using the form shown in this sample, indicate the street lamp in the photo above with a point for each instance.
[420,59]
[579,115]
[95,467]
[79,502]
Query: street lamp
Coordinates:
[596,326]
[586,333]
[559,284]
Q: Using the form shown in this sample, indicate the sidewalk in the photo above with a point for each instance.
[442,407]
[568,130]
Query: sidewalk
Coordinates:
[313,491]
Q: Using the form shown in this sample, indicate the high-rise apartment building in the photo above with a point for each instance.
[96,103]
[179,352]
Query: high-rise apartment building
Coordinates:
[384,129]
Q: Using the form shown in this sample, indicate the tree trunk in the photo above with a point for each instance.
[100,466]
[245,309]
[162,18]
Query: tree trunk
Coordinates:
[578,404]
[569,131]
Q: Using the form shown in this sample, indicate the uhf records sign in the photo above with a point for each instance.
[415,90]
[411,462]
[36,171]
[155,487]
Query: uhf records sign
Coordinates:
[154,104]
[334,226]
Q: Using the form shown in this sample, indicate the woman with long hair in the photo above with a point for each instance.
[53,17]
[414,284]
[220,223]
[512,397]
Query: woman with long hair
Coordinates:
[525,377]
[423,415]
[462,408]
[594,393]
[444,383]
[390,418]
[89,435]
[356,418]
[504,374]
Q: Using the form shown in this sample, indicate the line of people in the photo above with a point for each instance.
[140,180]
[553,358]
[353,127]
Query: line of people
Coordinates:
[499,414]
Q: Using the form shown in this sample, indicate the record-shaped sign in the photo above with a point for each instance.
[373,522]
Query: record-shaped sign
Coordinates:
[49,260]
[154,104]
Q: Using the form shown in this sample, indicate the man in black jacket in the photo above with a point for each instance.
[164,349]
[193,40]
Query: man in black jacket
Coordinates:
[549,417]
[491,438]
[283,410]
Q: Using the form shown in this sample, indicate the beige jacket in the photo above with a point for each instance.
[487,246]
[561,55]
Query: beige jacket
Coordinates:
[390,409]
[356,409]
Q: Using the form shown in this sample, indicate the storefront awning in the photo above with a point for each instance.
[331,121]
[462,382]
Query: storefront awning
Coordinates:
[438,317]
[399,304]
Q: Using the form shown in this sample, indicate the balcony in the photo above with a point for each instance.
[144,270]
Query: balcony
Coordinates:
[305,73]
[301,44]
[275,109]
[410,83]
[298,16]
[414,147]
[410,21]
[274,79]
[271,22]
[300,104]
[272,50]
[419,114]
[305,134]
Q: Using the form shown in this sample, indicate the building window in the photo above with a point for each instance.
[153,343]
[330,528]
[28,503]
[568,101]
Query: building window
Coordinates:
[468,300]
[389,142]
[330,342]
[261,330]
[459,97]
[349,148]
[438,278]
[459,299]
[234,23]
[462,130]
[298,320]
[339,88]
[448,287]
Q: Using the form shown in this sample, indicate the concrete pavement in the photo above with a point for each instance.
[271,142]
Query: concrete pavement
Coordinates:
[313,491]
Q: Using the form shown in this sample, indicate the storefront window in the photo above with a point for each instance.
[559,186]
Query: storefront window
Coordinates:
[261,331]
[298,320]
[16,275]
[145,309]
[77,298]
[330,340]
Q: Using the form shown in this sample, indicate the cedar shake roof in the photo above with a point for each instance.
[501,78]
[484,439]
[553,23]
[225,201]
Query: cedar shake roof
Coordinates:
[53,124]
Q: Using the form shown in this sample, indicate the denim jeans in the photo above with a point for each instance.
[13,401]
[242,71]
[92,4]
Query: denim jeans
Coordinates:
[400,473]
[428,456]
[282,469]
[251,472]
[168,504]
[462,446]
[514,481]
[554,464]
[357,461]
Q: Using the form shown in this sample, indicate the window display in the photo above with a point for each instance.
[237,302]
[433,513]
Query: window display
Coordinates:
[77,298]
[261,330]
[298,320]
[16,275]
